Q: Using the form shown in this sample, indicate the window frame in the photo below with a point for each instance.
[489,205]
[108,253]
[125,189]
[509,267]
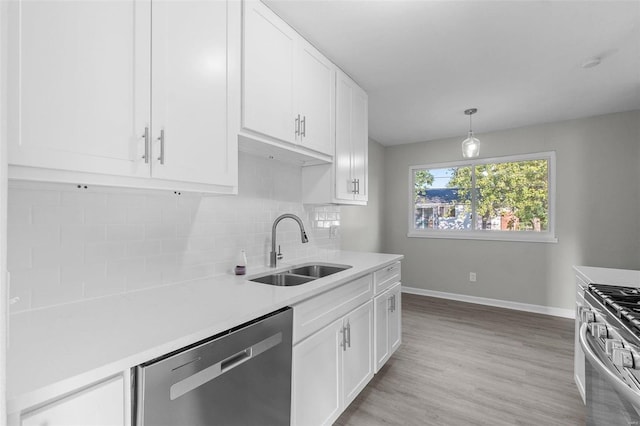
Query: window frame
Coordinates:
[548,236]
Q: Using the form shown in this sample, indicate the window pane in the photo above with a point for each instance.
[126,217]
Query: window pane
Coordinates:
[513,196]
[442,198]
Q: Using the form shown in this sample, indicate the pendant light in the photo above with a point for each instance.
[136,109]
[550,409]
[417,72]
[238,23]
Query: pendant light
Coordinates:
[471,145]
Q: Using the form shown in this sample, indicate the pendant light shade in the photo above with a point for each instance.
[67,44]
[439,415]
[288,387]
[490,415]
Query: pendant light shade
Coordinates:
[471,145]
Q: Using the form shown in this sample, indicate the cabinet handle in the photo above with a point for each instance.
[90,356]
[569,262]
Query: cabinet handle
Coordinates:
[344,338]
[298,125]
[161,139]
[357,186]
[348,334]
[146,145]
[353,182]
[393,298]
[304,126]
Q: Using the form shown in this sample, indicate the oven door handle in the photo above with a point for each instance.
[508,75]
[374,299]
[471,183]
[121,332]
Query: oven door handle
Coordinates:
[632,396]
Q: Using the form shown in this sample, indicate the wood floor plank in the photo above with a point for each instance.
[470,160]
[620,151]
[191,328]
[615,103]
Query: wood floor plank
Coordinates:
[467,364]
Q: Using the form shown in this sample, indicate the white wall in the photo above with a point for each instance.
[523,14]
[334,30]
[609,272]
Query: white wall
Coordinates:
[361,226]
[598,202]
[67,244]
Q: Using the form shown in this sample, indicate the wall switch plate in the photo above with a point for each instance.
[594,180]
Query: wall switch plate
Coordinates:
[472,277]
[333,231]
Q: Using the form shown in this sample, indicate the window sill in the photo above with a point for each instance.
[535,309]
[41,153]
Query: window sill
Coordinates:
[487,235]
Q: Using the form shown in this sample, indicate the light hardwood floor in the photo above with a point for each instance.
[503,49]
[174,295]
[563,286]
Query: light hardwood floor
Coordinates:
[466,364]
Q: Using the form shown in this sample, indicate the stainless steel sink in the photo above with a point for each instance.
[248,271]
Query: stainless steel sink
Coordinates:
[283,279]
[300,274]
[318,271]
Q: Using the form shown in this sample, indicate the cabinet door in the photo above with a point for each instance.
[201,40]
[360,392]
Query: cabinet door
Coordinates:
[357,368]
[382,309]
[78,84]
[395,319]
[102,404]
[345,187]
[317,369]
[315,90]
[359,142]
[189,92]
[267,87]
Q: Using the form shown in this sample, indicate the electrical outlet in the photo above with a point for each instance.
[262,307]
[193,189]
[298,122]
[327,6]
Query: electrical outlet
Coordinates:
[333,231]
[472,277]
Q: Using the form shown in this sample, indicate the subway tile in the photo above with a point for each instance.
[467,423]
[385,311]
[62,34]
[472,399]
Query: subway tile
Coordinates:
[160,232]
[60,215]
[126,200]
[18,214]
[32,235]
[125,267]
[83,198]
[178,245]
[51,256]
[108,250]
[144,248]
[105,215]
[74,234]
[125,232]
[104,286]
[28,197]
[79,274]
[19,257]
[144,215]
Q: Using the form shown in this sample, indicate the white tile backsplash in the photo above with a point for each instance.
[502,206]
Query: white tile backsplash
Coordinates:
[67,244]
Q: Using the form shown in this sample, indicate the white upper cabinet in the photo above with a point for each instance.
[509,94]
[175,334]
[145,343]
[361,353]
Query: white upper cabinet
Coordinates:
[79,85]
[189,92]
[268,55]
[351,166]
[346,180]
[316,99]
[288,85]
[87,103]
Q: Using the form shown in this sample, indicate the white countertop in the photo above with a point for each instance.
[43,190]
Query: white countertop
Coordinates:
[623,277]
[57,350]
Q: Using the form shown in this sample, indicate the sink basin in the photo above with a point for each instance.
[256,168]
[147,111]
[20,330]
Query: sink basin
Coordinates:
[318,271]
[300,274]
[283,279]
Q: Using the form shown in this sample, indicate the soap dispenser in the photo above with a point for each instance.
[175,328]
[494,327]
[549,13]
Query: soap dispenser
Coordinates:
[241,263]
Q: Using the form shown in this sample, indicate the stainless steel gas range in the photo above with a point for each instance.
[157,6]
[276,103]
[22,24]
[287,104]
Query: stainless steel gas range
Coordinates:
[610,339]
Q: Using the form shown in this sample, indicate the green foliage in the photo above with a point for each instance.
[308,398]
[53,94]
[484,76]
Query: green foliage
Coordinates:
[422,180]
[520,188]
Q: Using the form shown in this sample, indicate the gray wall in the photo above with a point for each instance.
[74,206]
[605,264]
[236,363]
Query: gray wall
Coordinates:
[598,204]
[361,226]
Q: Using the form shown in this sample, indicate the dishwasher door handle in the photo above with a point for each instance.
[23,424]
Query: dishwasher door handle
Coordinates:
[206,375]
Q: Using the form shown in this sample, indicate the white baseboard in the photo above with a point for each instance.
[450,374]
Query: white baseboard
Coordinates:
[539,309]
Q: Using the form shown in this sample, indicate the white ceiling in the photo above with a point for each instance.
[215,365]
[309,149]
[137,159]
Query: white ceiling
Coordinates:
[519,62]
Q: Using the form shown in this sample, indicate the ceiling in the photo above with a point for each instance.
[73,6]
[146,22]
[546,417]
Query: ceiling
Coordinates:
[519,62]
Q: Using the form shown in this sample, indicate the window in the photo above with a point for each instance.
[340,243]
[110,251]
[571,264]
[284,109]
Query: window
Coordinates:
[507,198]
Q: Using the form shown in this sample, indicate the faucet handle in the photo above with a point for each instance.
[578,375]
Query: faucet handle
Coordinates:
[279,255]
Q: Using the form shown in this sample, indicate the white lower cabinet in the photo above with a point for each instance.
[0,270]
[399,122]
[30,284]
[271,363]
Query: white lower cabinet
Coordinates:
[101,404]
[388,324]
[331,367]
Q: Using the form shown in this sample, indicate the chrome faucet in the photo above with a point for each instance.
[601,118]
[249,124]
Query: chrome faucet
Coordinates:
[303,236]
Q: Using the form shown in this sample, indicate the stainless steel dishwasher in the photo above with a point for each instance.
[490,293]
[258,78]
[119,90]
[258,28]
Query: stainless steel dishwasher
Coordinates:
[240,377]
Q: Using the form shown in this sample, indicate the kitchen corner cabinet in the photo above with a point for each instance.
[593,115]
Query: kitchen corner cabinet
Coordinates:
[101,404]
[128,93]
[331,367]
[288,86]
[346,180]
